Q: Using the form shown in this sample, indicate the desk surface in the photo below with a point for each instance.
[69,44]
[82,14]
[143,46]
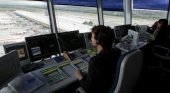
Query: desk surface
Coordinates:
[143,39]
[68,68]
[127,47]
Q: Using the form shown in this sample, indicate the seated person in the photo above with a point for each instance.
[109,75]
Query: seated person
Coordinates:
[159,30]
[102,66]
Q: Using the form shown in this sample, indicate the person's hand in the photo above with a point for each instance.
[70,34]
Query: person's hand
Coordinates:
[66,56]
[78,74]
[154,26]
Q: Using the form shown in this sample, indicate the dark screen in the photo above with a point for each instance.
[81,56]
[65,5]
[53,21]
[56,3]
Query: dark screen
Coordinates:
[42,46]
[87,38]
[9,67]
[70,41]
[121,31]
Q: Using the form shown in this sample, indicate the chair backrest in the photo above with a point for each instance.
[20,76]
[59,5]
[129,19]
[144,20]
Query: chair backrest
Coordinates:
[161,52]
[127,72]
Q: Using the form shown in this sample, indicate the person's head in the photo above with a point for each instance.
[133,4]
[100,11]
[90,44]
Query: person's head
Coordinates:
[162,24]
[102,35]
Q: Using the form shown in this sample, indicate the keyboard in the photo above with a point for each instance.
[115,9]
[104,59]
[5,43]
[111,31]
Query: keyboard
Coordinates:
[48,62]
[59,59]
[144,37]
[31,67]
[126,46]
[54,75]
[83,66]
[86,58]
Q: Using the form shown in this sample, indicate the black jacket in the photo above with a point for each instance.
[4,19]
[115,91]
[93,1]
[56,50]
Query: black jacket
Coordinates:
[101,72]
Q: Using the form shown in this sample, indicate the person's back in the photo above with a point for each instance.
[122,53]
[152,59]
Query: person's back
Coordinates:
[163,35]
[104,66]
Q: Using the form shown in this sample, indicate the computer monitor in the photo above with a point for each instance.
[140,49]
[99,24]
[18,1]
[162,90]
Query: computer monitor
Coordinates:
[21,49]
[134,35]
[70,41]
[121,31]
[42,46]
[9,67]
[142,28]
[87,39]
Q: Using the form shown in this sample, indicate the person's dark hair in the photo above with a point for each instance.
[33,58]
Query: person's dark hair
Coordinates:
[103,35]
[163,34]
[164,23]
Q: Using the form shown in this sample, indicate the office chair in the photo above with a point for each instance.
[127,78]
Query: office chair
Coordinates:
[161,54]
[127,73]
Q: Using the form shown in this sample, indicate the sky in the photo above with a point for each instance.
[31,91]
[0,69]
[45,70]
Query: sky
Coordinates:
[21,2]
[108,4]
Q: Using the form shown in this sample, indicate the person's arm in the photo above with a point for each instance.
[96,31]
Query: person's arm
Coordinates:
[88,84]
[78,74]
[152,29]
[153,36]
[66,55]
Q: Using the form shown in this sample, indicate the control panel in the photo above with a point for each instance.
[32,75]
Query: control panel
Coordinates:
[54,74]
[79,63]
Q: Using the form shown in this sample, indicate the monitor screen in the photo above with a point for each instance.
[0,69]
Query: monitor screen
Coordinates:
[21,49]
[42,46]
[142,28]
[87,38]
[9,67]
[134,35]
[70,41]
[120,31]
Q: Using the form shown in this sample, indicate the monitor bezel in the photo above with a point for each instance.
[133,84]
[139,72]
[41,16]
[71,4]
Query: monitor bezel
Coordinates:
[23,61]
[17,65]
[134,35]
[126,27]
[79,36]
[41,46]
